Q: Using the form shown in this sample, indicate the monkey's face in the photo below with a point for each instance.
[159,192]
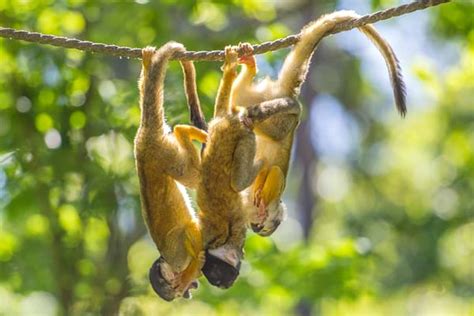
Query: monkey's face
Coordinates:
[163,278]
[222,266]
[274,214]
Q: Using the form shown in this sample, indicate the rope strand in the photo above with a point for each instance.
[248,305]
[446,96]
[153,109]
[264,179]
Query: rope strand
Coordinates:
[214,55]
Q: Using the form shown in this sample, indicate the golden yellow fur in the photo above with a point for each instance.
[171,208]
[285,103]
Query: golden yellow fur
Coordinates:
[275,135]
[227,168]
[162,159]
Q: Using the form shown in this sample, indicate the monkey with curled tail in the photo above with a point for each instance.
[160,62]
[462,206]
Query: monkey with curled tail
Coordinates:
[274,136]
[166,161]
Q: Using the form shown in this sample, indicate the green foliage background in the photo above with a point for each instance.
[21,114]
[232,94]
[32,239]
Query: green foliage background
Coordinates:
[385,229]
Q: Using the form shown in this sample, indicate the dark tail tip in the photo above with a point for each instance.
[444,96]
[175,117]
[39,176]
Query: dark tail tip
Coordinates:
[197,118]
[399,91]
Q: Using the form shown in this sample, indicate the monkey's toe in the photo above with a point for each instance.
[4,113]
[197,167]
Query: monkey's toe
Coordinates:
[246,48]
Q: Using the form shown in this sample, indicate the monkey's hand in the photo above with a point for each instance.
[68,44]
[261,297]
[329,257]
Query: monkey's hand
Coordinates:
[173,278]
[259,202]
[175,283]
[184,281]
[244,118]
[187,278]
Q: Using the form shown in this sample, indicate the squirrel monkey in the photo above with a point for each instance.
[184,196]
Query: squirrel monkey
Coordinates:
[275,135]
[162,160]
[228,167]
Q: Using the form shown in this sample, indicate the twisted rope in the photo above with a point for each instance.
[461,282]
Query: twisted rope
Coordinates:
[214,55]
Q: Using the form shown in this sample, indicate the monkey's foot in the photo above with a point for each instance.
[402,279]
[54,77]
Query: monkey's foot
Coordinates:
[147,54]
[231,59]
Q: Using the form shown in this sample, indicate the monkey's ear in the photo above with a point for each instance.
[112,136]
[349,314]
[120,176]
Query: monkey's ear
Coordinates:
[159,283]
[220,273]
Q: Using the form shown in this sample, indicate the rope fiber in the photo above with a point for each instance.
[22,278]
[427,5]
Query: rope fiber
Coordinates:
[214,55]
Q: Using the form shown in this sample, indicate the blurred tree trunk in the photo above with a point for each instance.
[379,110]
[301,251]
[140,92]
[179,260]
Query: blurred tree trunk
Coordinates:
[306,158]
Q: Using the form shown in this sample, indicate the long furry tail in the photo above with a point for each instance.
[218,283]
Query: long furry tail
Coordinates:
[393,66]
[192,97]
[295,67]
[152,84]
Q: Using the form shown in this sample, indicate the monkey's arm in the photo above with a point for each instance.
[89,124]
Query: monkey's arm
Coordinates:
[276,118]
[272,184]
[186,133]
[244,170]
[184,164]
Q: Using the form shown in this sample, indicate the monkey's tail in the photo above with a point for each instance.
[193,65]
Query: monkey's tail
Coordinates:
[296,65]
[153,86]
[195,112]
[393,66]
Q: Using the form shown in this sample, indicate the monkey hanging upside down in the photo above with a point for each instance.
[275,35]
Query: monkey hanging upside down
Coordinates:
[230,163]
[228,167]
[274,136]
[162,160]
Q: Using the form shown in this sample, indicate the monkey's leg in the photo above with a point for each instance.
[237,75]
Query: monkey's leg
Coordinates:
[276,118]
[147,55]
[152,114]
[244,169]
[222,106]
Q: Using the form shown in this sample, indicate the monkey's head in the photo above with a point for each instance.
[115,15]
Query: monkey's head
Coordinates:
[222,266]
[275,214]
[162,276]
